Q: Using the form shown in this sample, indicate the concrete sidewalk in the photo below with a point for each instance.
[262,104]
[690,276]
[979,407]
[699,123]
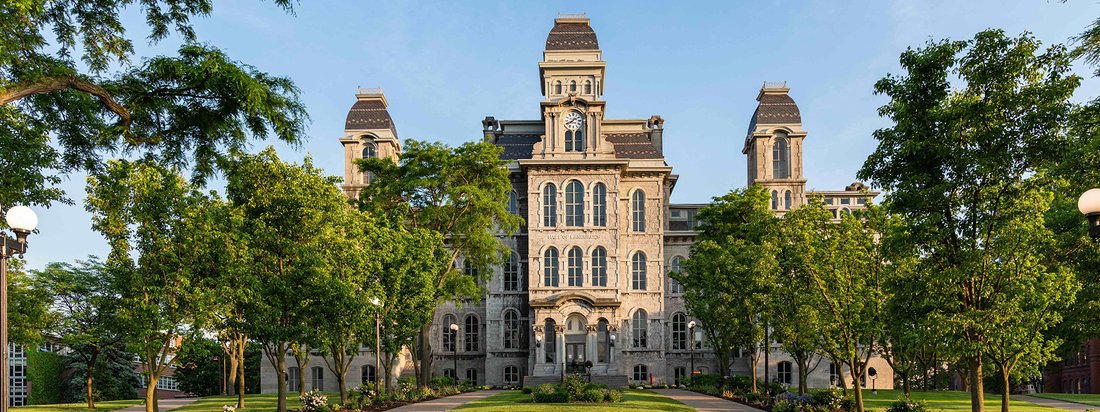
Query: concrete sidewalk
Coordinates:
[704,403]
[448,403]
[165,404]
[1054,403]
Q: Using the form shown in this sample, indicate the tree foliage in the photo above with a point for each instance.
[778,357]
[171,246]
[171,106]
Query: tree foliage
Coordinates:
[199,366]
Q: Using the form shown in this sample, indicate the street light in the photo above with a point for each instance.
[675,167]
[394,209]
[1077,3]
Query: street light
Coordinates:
[691,331]
[1089,205]
[454,344]
[611,352]
[377,343]
[22,221]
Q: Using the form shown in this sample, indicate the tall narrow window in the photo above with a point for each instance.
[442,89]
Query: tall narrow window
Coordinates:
[639,328]
[511,330]
[576,266]
[784,374]
[292,383]
[599,266]
[513,202]
[638,211]
[511,272]
[573,86]
[449,337]
[781,157]
[603,351]
[775,200]
[599,205]
[787,200]
[550,339]
[318,378]
[574,204]
[677,267]
[679,332]
[638,271]
[471,376]
[550,205]
[587,87]
[834,375]
[471,334]
[557,87]
[550,267]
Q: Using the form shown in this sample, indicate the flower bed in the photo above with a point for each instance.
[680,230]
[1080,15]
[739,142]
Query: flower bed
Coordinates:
[574,389]
[366,399]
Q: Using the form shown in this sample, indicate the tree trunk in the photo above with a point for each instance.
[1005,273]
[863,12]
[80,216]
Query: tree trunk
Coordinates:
[802,372]
[88,380]
[977,395]
[754,360]
[1006,390]
[302,378]
[240,370]
[857,390]
[232,368]
[151,393]
[280,367]
[767,352]
[425,372]
[905,384]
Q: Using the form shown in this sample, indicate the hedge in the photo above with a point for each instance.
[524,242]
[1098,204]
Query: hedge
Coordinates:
[44,374]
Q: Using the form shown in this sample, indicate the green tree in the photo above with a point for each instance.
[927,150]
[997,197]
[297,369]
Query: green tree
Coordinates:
[287,210]
[199,366]
[842,265]
[145,211]
[69,82]
[459,194]
[796,318]
[85,303]
[964,167]
[29,314]
[114,376]
[729,275]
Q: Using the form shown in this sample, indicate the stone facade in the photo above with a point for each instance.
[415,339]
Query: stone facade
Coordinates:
[589,282]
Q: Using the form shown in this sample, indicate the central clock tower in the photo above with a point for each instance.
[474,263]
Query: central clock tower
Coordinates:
[572,74]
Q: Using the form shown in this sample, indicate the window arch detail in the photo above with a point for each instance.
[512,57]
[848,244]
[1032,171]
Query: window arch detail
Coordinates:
[599,205]
[574,204]
[575,267]
[781,156]
[511,272]
[676,265]
[599,266]
[638,271]
[471,334]
[550,205]
[448,337]
[640,328]
[511,329]
[638,211]
[550,267]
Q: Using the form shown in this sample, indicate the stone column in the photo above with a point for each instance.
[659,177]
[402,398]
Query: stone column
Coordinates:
[540,352]
[590,345]
[559,348]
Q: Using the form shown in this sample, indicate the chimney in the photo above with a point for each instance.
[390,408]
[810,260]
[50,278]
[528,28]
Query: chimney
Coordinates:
[656,131]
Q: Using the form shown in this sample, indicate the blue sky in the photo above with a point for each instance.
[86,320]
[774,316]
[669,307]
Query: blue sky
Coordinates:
[446,65]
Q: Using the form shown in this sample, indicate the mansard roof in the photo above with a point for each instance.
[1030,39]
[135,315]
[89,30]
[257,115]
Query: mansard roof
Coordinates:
[633,146]
[369,114]
[775,108]
[517,146]
[569,35]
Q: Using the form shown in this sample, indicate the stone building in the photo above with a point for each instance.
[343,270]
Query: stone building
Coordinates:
[587,280]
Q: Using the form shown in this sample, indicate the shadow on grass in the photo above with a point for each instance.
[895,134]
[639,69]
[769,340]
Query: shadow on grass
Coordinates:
[634,400]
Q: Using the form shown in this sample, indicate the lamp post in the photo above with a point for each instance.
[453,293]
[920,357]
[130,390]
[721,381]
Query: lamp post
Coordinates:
[1089,205]
[454,344]
[611,352]
[22,221]
[377,343]
[691,331]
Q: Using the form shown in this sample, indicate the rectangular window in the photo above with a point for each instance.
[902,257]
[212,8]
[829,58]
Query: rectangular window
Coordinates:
[318,378]
[292,379]
[828,200]
[861,201]
[845,201]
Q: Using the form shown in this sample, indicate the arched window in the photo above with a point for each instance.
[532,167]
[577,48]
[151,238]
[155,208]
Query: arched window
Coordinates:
[573,86]
[638,211]
[599,205]
[449,337]
[603,350]
[550,339]
[587,87]
[511,375]
[574,132]
[550,205]
[574,204]
[638,271]
[511,330]
[641,373]
[679,332]
[784,374]
[550,267]
[513,202]
[781,156]
[511,272]
[318,378]
[471,336]
[775,200]
[557,87]
[575,266]
[639,328]
[369,374]
[369,151]
[787,200]
[292,384]
[599,266]
[677,267]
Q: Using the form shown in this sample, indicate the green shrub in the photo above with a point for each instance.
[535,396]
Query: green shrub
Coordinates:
[593,395]
[703,380]
[528,390]
[547,393]
[44,372]
[574,387]
[907,405]
[827,399]
[614,395]
[741,383]
[406,380]
[441,381]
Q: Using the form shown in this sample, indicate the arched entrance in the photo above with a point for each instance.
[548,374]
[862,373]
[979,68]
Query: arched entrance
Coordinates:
[576,334]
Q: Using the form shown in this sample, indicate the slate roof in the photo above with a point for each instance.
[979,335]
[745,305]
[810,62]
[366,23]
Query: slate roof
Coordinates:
[517,146]
[369,114]
[775,109]
[633,146]
[572,36]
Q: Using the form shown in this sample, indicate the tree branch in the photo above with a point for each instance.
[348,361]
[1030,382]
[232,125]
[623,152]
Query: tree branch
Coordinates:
[53,84]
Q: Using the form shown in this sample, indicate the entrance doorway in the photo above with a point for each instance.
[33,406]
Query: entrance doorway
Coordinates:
[576,333]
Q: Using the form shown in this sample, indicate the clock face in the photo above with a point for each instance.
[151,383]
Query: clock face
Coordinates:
[574,121]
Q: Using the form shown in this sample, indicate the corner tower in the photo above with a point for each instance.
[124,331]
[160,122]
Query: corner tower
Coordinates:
[773,147]
[368,132]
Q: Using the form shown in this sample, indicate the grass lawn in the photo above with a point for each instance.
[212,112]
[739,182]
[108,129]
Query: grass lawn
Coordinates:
[635,400]
[76,407]
[947,401]
[252,402]
[1071,397]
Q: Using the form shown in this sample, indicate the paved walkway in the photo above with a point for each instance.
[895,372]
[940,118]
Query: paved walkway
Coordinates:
[165,404]
[704,403]
[1054,403]
[446,404]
